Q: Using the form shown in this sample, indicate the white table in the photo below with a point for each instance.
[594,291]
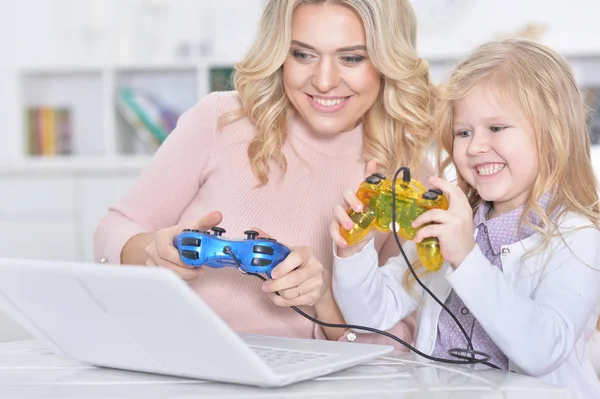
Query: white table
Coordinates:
[28,370]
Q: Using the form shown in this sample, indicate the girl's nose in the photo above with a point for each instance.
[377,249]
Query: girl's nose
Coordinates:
[479,144]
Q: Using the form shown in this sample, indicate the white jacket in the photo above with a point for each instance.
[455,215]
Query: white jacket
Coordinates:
[540,310]
[593,351]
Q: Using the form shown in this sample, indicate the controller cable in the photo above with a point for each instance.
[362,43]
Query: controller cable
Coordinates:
[469,359]
[456,352]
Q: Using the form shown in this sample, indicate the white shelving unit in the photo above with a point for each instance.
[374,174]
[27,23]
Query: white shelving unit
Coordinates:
[100,133]
[98,130]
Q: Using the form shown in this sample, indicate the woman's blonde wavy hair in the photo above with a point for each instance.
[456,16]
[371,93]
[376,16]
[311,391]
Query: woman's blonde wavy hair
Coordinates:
[538,81]
[397,128]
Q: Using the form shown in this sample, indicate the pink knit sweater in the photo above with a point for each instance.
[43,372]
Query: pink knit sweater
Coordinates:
[200,168]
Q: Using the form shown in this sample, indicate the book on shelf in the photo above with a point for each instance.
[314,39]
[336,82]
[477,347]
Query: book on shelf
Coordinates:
[49,131]
[149,119]
[221,78]
[592,98]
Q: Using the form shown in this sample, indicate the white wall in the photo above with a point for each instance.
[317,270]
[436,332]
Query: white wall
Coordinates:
[75,31]
[572,25]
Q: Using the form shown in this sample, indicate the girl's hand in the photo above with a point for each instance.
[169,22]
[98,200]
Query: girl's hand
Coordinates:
[453,227]
[341,218]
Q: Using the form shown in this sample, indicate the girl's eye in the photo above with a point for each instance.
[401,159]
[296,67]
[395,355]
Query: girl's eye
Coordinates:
[496,129]
[353,59]
[463,133]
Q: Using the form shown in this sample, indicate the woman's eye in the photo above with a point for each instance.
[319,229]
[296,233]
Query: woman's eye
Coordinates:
[496,129]
[300,56]
[463,133]
[353,59]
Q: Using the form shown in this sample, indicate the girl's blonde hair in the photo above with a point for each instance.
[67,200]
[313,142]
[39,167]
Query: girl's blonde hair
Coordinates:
[397,129]
[539,82]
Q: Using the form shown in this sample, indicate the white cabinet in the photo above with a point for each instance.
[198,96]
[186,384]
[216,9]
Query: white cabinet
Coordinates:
[50,209]
[96,194]
[34,195]
[39,238]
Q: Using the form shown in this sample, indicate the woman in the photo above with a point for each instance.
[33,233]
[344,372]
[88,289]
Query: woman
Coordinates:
[326,86]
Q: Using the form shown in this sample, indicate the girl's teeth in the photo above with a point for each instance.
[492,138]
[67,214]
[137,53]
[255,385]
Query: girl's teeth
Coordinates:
[489,169]
[328,102]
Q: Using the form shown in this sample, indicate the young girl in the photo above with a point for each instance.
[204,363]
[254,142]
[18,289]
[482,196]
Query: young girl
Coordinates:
[520,238]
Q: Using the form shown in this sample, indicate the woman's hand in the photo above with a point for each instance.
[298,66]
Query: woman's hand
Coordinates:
[162,253]
[453,227]
[300,279]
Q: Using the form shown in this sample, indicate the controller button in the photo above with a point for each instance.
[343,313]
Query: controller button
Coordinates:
[262,249]
[194,242]
[190,254]
[437,191]
[430,195]
[260,262]
[187,230]
[268,239]
[251,234]
[375,178]
[218,230]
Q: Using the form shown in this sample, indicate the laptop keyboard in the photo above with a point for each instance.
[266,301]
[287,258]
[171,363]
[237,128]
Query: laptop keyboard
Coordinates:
[282,357]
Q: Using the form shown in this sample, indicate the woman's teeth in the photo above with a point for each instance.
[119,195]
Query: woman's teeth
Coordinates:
[328,102]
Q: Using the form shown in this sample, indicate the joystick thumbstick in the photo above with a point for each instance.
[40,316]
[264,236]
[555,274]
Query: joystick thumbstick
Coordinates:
[251,234]
[218,230]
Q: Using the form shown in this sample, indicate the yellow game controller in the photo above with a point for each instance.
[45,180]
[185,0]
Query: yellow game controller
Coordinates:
[412,199]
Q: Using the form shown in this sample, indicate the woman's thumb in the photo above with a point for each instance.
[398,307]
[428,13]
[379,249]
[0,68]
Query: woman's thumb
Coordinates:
[209,220]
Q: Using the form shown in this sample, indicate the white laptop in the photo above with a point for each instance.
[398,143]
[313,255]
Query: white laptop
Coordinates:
[148,319]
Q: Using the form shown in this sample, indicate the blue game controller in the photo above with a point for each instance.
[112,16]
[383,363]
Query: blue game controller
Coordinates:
[255,254]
